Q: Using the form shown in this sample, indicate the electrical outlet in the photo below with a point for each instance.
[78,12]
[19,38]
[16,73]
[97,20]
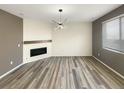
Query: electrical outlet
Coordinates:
[11,62]
[98,54]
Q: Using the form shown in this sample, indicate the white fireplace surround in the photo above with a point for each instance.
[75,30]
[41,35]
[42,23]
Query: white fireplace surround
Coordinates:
[36,30]
[28,47]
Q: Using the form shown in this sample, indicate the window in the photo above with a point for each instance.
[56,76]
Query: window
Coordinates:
[113,34]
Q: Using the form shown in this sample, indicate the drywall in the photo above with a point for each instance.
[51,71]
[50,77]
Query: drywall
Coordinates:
[113,59]
[74,40]
[11,41]
[36,30]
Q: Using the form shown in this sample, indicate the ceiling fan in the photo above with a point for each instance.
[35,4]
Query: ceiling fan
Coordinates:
[60,23]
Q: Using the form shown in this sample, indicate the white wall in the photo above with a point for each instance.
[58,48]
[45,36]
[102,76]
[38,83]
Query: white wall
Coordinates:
[74,40]
[35,30]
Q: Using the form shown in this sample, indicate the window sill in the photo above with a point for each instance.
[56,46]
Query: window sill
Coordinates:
[112,50]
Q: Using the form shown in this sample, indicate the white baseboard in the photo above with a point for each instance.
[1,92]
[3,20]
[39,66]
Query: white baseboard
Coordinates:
[110,68]
[11,70]
[93,56]
[18,67]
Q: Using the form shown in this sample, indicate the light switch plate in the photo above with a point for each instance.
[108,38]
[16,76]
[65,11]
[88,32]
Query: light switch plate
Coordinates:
[19,45]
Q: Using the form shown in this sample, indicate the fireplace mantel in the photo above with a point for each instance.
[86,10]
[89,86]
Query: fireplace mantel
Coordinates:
[37,41]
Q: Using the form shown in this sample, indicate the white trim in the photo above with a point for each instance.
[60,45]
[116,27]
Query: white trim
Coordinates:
[11,70]
[93,56]
[110,68]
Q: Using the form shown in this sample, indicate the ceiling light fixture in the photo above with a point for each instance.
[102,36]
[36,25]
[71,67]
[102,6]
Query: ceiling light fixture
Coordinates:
[60,23]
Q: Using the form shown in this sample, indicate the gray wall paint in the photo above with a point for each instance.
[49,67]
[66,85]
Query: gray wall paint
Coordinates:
[112,59]
[11,33]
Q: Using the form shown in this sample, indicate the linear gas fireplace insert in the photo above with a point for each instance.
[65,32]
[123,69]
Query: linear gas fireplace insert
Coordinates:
[38,51]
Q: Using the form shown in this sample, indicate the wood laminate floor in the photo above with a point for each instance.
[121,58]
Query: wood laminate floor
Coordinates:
[63,73]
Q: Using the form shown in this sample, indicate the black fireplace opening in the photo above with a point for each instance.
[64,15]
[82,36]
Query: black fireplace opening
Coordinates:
[38,51]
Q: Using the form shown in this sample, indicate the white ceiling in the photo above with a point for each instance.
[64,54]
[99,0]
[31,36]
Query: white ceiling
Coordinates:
[74,12]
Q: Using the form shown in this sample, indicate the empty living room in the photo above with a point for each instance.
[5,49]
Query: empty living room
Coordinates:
[61,46]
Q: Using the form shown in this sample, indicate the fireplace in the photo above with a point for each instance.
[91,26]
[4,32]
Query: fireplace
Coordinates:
[38,51]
